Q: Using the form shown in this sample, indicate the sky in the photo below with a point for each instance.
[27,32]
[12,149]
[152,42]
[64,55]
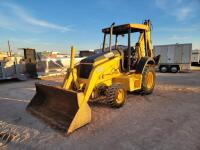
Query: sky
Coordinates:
[57,25]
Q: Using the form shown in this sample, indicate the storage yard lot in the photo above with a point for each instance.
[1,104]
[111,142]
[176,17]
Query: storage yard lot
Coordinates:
[168,119]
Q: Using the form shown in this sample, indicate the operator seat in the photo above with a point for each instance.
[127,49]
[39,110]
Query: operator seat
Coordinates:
[134,56]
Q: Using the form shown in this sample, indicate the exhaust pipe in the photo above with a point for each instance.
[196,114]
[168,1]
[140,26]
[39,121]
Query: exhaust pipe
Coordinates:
[111,33]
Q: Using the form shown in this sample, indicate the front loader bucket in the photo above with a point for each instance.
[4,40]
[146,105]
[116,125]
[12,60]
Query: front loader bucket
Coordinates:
[60,108]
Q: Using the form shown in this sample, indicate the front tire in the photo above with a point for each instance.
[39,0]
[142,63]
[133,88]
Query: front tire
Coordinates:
[163,69]
[148,80]
[116,96]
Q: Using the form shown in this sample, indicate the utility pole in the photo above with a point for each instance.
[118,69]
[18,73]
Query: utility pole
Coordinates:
[9,48]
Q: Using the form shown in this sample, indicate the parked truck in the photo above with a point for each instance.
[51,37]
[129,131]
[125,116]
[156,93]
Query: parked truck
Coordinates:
[174,57]
[196,57]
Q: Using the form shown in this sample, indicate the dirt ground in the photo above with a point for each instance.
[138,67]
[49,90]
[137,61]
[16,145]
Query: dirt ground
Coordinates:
[169,119]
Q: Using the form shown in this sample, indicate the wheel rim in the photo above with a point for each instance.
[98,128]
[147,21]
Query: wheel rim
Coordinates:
[120,96]
[149,80]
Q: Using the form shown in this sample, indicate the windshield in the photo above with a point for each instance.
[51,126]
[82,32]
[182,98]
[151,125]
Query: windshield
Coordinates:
[120,42]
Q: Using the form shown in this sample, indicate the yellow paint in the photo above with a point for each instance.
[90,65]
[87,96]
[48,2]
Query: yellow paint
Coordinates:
[150,79]
[131,82]
[120,96]
[82,117]
[71,73]
[139,26]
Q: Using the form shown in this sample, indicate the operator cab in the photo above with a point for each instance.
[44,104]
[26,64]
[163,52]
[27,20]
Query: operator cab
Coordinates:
[130,53]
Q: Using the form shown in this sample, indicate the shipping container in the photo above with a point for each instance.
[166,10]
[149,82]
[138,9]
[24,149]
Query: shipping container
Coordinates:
[174,57]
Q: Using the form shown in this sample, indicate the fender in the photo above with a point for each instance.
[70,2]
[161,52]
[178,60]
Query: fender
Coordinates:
[142,63]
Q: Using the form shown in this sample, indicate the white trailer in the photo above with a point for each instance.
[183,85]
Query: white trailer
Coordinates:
[174,57]
[196,57]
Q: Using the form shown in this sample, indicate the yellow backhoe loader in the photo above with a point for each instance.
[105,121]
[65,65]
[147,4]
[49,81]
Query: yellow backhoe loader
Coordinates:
[106,76]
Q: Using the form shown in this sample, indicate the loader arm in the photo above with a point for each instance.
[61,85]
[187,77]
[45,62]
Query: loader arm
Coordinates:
[71,73]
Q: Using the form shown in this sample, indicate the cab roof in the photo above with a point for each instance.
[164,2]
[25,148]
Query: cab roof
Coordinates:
[123,29]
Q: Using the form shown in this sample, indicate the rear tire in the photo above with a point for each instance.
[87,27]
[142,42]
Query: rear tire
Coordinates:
[116,96]
[163,69]
[148,80]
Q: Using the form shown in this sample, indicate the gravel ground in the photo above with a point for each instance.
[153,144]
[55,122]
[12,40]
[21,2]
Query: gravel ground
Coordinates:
[166,120]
